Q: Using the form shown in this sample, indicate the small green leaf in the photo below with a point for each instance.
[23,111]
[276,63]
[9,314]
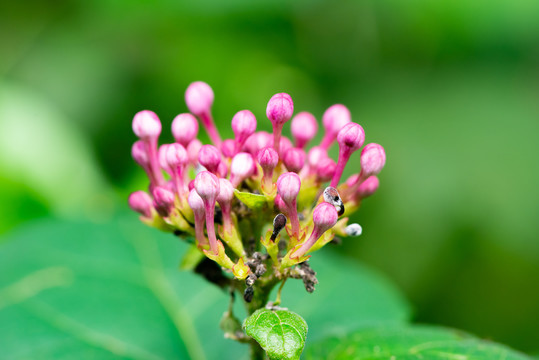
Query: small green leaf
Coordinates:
[253,201]
[410,343]
[281,333]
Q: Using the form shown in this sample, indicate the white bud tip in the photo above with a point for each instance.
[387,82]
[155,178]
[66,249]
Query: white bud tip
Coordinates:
[353,230]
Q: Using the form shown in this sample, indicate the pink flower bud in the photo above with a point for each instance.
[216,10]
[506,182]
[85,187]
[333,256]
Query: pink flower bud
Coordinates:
[368,187]
[335,117]
[279,203]
[288,186]
[268,160]
[208,188]
[326,169]
[197,205]
[146,125]
[304,128]
[243,125]
[285,145]
[139,154]
[209,157]
[225,197]
[222,170]
[373,159]
[163,200]
[199,98]
[294,159]
[141,202]
[175,156]
[258,141]
[228,148]
[184,128]
[279,110]
[324,218]
[316,155]
[350,138]
[162,156]
[192,151]
[242,167]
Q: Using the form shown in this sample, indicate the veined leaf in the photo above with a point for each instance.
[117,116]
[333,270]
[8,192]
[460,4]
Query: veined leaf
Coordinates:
[253,201]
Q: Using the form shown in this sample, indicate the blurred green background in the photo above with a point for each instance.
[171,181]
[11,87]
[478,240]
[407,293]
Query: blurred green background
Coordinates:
[450,88]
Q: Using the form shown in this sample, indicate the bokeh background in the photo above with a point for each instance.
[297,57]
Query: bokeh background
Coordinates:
[450,88]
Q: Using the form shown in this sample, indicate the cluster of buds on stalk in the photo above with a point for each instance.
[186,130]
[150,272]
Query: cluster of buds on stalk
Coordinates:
[259,204]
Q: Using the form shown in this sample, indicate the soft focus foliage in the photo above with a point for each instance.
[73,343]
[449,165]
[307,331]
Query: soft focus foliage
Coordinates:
[450,88]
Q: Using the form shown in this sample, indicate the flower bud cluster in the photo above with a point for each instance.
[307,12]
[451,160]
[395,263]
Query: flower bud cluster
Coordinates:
[257,193]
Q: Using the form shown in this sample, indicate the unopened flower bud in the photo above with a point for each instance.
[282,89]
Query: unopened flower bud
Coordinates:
[353,230]
[279,110]
[243,125]
[258,141]
[373,159]
[140,155]
[324,218]
[304,128]
[314,157]
[209,157]
[197,205]
[207,187]
[225,197]
[294,159]
[163,200]
[175,155]
[288,186]
[141,202]
[335,117]
[162,157]
[192,151]
[228,148]
[326,169]
[184,128]
[268,160]
[146,125]
[350,138]
[242,167]
[368,187]
[199,100]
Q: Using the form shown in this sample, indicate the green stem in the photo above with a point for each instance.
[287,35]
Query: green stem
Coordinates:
[257,353]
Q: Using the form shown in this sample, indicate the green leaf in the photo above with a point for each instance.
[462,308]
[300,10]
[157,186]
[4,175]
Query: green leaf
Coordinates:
[105,291]
[253,201]
[410,343]
[281,333]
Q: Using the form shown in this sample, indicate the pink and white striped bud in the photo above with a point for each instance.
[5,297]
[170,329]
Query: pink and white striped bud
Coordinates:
[324,218]
[334,119]
[326,169]
[199,99]
[176,159]
[225,197]
[279,110]
[184,128]
[140,155]
[146,125]
[222,170]
[242,167]
[280,204]
[350,138]
[268,160]
[373,159]
[141,202]
[288,186]
[228,148]
[192,151]
[163,200]
[368,187]
[243,125]
[197,205]
[208,188]
[294,159]
[209,157]
[304,128]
